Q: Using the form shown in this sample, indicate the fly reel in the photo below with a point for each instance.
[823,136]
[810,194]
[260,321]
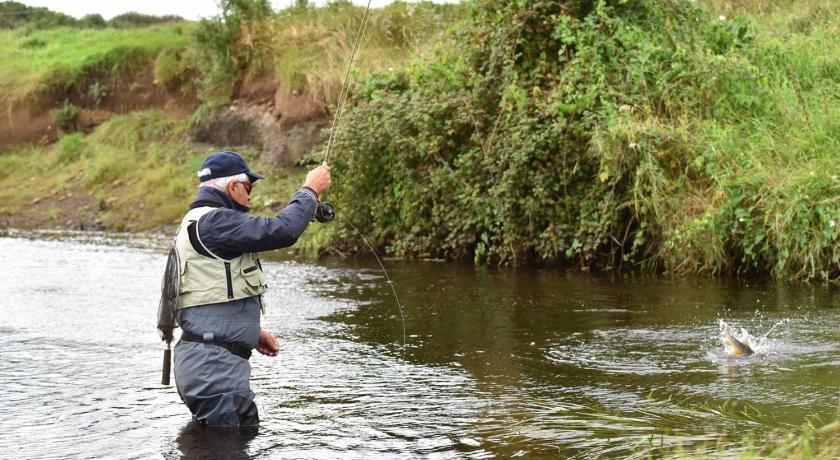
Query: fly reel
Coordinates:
[325,212]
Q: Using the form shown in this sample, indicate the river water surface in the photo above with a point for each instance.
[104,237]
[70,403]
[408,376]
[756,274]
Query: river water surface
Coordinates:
[497,363]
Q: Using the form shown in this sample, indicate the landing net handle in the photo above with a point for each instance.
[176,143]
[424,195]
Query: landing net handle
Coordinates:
[168,308]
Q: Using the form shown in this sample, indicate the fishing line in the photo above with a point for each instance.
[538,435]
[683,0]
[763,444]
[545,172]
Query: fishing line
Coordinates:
[388,278]
[342,96]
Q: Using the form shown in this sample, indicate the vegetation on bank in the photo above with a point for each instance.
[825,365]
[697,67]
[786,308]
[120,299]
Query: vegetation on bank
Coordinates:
[301,51]
[134,172]
[650,134]
[304,49]
[661,135]
[45,67]
[15,15]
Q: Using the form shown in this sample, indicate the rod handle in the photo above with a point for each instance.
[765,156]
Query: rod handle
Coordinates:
[167,364]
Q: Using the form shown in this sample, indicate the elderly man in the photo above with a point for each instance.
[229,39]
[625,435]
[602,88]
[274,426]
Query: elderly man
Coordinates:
[221,286]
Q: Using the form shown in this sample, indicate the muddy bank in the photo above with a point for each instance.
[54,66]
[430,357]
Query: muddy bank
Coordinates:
[33,120]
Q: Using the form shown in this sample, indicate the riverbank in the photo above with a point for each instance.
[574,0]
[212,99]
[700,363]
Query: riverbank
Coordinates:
[670,137]
[686,139]
[105,126]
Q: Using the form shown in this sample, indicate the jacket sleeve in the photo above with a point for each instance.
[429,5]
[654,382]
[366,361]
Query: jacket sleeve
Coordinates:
[229,233]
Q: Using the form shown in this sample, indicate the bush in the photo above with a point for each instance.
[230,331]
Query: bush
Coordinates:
[602,135]
[66,117]
[93,21]
[232,43]
[131,19]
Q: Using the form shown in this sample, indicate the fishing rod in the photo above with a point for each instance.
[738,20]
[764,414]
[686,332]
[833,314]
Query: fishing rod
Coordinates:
[325,212]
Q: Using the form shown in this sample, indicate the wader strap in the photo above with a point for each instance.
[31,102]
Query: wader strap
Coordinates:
[233,347]
[229,281]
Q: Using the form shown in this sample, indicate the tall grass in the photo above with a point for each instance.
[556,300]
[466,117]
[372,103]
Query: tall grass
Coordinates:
[769,198]
[311,46]
[306,49]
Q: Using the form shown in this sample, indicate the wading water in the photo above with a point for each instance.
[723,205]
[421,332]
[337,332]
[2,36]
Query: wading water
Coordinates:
[498,363]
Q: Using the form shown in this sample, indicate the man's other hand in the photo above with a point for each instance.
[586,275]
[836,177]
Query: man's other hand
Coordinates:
[268,344]
[319,179]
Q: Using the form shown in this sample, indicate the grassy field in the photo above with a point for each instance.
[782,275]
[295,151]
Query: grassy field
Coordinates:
[37,64]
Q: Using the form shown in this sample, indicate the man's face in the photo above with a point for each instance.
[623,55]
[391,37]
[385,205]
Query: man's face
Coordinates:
[240,192]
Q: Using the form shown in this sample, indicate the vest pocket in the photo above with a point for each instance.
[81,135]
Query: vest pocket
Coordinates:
[254,276]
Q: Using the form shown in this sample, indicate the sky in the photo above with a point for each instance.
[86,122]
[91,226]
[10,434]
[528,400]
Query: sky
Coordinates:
[188,9]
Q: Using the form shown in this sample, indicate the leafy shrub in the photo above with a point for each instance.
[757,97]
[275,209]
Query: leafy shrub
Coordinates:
[93,21]
[601,135]
[233,42]
[132,19]
[14,15]
[66,117]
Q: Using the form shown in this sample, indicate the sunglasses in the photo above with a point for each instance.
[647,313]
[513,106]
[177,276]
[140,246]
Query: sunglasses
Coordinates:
[247,186]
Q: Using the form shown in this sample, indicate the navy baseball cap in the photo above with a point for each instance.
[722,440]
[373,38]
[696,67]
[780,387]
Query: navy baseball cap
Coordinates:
[224,164]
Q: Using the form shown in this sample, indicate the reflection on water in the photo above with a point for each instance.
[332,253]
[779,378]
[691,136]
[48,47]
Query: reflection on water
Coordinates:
[199,442]
[498,363]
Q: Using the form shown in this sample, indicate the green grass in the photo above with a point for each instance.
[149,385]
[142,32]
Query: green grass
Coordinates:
[770,203]
[806,443]
[133,172]
[38,63]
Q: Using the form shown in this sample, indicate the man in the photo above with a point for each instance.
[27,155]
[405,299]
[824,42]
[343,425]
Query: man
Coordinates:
[221,286]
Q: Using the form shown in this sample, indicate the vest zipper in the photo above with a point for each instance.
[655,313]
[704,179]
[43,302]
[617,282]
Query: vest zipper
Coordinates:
[229,281]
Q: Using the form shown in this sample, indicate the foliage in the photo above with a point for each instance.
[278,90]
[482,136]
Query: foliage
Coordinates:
[132,19]
[14,14]
[93,21]
[174,68]
[603,134]
[231,42]
[66,117]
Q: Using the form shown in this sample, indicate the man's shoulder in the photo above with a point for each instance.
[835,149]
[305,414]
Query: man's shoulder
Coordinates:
[222,216]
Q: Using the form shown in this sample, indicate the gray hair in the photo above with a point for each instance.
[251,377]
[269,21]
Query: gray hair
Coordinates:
[221,183]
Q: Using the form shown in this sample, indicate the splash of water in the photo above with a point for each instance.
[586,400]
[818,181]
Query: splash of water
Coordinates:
[760,344]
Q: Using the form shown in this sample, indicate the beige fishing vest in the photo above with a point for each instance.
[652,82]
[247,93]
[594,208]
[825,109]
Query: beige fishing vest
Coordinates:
[209,278]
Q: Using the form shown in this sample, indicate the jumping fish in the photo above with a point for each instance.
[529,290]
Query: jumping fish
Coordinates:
[734,347]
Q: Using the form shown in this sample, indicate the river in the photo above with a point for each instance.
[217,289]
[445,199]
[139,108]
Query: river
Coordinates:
[498,363]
